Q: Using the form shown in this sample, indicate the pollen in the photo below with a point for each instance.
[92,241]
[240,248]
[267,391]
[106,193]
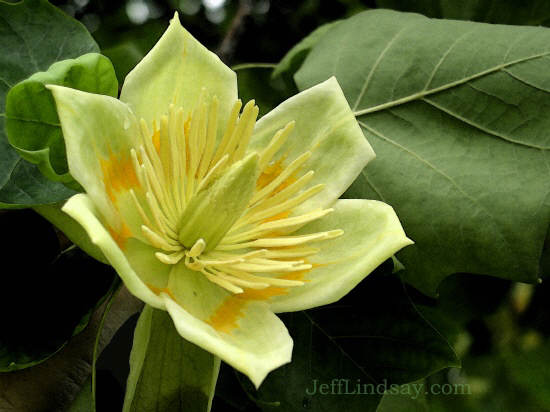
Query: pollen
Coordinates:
[208,202]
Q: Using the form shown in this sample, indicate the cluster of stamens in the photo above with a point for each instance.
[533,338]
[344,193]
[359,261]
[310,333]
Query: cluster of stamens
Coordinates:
[181,157]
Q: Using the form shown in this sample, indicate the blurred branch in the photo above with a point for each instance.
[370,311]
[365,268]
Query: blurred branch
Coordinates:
[244,66]
[227,46]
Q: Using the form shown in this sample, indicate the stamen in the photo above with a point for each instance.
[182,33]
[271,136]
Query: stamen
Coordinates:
[174,158]
[276,224]
[182,156]
[292,253]
[217,167]
[281,207]
[238,281]
[273,281]
[210,139]
[170,259]
[246,135]
[275,144]
[232,122]
[222,282]
[139,208]
[284,241]
[286,173]
[158,241]
[248,117]
[197,248]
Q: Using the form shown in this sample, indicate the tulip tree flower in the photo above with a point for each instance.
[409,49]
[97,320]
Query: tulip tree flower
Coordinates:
[218,218]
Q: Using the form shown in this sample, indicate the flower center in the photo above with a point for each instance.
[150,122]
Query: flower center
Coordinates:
[221,213]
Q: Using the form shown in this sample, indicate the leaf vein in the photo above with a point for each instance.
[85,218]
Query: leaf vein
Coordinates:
[423,93]
[375,66]
[446,176]
[482,128]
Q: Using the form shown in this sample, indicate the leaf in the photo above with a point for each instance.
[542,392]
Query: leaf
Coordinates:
[167,373]
[32,125]
[49,296]
[34,34]
[530,12]
[456,112]
[292,61]
[373,336]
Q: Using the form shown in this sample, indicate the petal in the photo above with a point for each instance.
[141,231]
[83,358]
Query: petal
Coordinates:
[99,132]
[372,234]
[243,333]
[326,126]
[175,71]
[81,208]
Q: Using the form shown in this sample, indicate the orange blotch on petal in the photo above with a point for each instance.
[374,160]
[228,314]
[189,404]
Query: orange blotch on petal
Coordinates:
[225,318]
[118,174]
[121,236]
[270,173]
[158,291]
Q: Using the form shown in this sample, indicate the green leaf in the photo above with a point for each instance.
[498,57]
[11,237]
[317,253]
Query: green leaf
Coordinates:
[526,12]
[167,373]
[33,35]
[456,112]
[292,61]
[50,294]
[32,124]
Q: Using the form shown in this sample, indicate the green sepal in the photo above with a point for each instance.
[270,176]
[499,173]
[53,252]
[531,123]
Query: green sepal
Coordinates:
[167,373]
[32,124]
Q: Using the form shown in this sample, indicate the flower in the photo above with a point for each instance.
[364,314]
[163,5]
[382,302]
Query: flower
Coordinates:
[217,218]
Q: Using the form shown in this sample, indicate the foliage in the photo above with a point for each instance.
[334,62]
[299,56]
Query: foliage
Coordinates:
[460,118]
[32,124]
[34,35]
[457,114]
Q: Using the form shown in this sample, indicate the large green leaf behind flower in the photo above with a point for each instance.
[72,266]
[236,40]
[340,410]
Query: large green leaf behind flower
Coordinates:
[33,35]
[457,113]
[526,12]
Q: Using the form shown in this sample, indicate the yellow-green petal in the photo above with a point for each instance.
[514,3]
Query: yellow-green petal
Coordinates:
[326,126]
[175,71]
[99,132]
[372,234]
[81,208]
[243,333]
